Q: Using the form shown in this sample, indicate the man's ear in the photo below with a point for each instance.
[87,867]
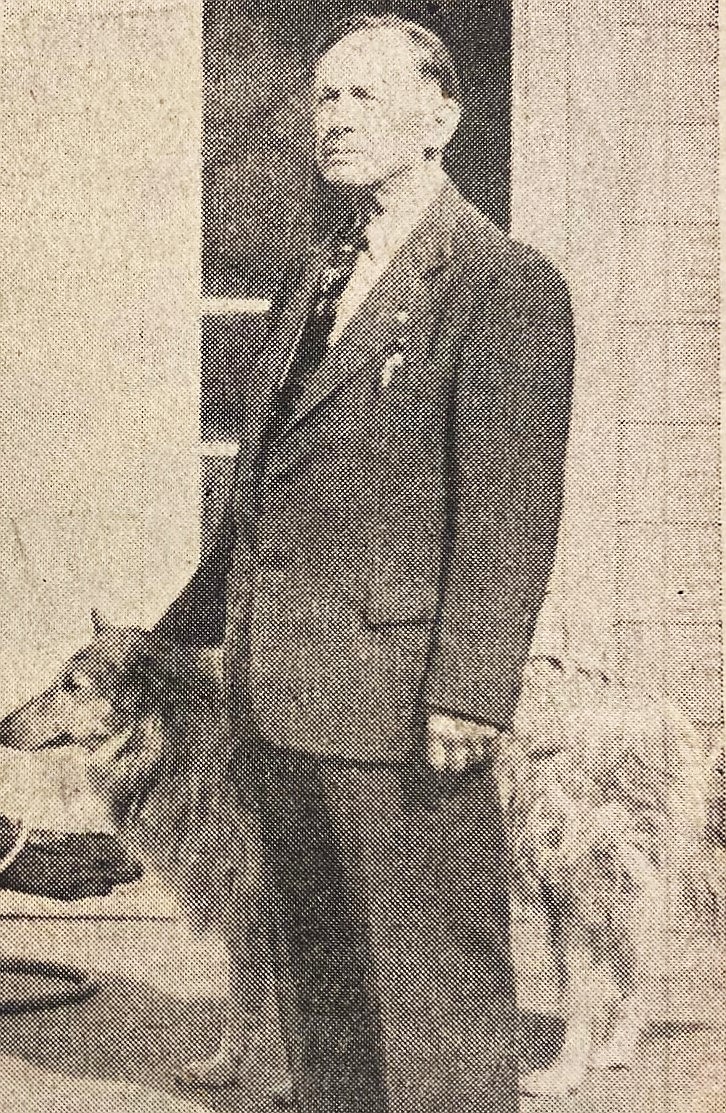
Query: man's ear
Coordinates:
[100,624]
[448,115]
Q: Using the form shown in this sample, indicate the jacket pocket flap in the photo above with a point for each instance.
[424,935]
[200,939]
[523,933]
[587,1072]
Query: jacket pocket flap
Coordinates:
[399,601]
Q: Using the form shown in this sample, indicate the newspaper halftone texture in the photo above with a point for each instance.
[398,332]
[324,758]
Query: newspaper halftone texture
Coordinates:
[360,527]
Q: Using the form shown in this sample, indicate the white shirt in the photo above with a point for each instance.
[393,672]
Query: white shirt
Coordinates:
[403,203]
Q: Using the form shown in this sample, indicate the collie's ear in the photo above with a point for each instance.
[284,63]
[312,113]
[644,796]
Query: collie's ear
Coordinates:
[100,624]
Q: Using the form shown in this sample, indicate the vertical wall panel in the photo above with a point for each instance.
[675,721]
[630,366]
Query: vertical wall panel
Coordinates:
[99,281]
[638,172]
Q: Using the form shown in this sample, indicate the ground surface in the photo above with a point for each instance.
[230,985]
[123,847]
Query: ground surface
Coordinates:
[162,1003]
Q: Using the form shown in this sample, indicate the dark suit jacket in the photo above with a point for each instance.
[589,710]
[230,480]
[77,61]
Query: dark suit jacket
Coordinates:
[390,553]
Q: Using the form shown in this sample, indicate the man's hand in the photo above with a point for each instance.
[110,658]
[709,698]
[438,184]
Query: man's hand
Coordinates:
[453,743]
[70,865]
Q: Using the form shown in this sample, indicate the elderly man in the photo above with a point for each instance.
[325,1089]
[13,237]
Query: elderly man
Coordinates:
[385,556]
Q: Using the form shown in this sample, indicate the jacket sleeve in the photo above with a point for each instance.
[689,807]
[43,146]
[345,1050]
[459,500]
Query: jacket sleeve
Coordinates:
[197,617]
[508,435]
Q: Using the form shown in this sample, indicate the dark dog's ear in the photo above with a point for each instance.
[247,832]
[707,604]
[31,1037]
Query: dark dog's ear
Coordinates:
[100,624]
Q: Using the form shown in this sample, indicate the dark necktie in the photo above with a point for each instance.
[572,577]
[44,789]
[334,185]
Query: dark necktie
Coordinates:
[313,343]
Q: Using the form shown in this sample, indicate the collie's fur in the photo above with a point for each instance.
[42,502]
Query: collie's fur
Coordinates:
[605,792]
[155,725]
[603,788]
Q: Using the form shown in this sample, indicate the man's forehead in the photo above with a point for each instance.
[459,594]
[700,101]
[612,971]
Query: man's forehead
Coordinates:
[376,55]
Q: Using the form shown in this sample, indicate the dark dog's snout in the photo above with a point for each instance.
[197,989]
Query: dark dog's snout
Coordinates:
[21,732]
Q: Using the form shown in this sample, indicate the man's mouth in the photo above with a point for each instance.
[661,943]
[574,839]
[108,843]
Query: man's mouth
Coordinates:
[333,153]
[57,741]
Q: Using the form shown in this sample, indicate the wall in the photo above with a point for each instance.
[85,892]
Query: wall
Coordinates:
[100,280]
[615,174]
[99,275]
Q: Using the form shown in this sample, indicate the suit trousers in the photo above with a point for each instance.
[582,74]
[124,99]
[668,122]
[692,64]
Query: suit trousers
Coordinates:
[385,898]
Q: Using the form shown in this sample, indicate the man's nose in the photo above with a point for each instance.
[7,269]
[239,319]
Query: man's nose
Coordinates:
[343,112]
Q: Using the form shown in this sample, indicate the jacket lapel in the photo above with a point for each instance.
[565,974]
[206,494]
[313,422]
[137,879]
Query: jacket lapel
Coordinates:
[279,349]
[405,287]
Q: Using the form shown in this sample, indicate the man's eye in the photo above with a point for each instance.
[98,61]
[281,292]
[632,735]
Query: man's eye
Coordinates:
[74,682]
[326,96]
[360,93]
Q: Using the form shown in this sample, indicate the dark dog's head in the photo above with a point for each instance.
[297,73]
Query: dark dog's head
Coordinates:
[120,676]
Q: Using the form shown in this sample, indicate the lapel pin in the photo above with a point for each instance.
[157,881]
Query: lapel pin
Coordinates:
[328,277]
[402,316]
[389,367]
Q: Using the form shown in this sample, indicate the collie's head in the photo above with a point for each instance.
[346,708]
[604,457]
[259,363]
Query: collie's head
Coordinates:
[121,677]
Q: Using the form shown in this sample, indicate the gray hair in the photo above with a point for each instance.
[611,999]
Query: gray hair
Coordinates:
[433,60]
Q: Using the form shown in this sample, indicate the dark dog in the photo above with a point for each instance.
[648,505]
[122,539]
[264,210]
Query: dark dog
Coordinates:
[154,723]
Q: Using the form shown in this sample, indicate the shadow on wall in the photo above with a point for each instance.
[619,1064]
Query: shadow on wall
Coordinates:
[259,188]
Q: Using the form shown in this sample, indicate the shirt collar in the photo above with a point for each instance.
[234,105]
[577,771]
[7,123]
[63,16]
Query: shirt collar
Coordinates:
[402,204]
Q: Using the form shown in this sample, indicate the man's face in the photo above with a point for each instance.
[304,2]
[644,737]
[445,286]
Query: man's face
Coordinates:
[375,115]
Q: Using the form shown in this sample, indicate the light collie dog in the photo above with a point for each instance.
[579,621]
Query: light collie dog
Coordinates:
[605,790]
